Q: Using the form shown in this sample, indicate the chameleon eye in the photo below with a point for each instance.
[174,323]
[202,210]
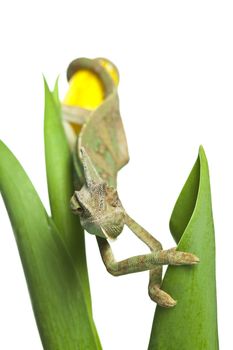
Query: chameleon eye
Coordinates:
[76,206]
[79,209]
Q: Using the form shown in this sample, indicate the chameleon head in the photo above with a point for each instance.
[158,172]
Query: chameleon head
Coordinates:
[98,205]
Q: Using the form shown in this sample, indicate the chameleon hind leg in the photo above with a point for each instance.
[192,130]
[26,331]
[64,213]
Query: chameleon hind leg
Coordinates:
[152,262]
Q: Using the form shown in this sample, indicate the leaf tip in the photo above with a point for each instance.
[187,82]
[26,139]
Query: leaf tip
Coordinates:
[56,82]
[46,86]
[201,151]
[202,156]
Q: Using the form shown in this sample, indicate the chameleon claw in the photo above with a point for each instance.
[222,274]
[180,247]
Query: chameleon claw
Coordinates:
[161,298]
[182,258]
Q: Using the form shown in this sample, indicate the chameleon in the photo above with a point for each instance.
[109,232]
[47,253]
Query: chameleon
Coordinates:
[99,149]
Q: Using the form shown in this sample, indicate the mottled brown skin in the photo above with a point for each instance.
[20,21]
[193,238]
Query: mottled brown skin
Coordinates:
[102,214]
[100,152]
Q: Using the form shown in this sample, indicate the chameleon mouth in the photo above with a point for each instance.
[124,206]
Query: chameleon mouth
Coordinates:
[105,234]
[111,232]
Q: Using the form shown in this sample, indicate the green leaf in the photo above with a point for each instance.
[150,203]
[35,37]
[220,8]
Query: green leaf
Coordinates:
[56,293]
[60,186]
[59,169]
[55,92]
[192,323]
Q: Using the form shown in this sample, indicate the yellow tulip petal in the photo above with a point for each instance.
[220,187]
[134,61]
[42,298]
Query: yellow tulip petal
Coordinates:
[85,90]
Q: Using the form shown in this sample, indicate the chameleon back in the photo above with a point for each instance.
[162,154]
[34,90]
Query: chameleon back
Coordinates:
[102,135]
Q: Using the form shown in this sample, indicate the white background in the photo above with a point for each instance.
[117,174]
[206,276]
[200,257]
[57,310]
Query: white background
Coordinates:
[176,64]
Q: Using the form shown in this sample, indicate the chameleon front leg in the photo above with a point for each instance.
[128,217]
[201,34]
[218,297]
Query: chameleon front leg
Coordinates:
[144,262]
[155,293]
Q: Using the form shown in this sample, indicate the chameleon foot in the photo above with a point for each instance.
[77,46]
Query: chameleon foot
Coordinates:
[160,297]
[176,257]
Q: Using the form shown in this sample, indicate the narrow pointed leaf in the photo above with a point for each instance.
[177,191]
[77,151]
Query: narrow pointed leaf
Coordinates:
[55,92]
[192,323]
[54,285]
[60,186]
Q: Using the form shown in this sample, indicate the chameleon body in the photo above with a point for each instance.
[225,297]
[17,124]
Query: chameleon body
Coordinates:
[100,151]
